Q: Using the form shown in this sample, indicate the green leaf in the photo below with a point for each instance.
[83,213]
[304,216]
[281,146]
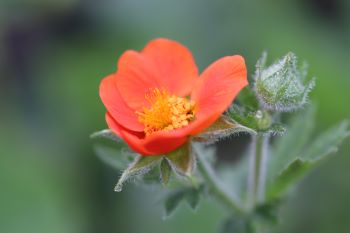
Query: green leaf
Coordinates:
[165,171]
[182,160]
[173,200]
[222,128]
[255,120]
[327,143]
[193,197]
[106,133]
[112,156]
[290,146]
[294,171]
[237,225]
[316,151]
[140,166]
[267,213]
[188,194]
[248,99]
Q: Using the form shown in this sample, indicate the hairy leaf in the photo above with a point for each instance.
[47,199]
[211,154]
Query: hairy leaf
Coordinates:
[188,194]
[289,147]
[323,146]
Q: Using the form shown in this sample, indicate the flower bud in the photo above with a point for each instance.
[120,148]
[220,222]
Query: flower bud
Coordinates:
[281,87]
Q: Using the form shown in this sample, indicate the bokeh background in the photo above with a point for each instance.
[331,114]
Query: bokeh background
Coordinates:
[53,54]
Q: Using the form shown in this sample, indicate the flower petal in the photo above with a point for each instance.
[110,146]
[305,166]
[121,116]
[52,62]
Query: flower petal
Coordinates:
[137,75]
[121,131]
[217,86]
[175,64]
[156,144]
[116,106]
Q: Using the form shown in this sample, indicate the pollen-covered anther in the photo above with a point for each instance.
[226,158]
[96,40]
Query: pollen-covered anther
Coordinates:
[166,112]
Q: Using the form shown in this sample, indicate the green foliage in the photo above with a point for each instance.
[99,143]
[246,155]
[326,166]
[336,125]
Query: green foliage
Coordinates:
[253,188]
[175,197]
[236,224]
[254,120]
[267,213]
[295,155]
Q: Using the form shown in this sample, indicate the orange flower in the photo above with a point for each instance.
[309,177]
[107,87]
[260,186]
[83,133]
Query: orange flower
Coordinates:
[156,100]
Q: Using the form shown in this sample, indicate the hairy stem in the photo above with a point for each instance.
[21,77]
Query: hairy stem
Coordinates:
[217,188]
[257,169]
[263,168]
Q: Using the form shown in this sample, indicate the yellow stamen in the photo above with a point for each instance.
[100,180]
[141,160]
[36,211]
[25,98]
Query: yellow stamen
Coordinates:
[166,112]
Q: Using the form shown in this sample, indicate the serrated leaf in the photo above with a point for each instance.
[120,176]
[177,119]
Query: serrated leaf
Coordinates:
[182,160]
[289,147]
[165,171]
[323,146]
[222,128]
[327,143]
[106,133]
[173,200]
[288,176]
[140,166]
[112,157]
[193,197]
[188,194]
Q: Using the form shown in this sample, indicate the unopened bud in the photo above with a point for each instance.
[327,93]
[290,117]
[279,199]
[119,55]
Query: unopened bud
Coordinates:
[281,87]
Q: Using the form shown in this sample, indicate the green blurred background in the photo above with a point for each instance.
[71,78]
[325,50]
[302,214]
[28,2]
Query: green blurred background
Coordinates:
[53,54]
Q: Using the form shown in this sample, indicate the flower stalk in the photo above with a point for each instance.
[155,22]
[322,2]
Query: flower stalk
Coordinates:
[258,169]
[216,188]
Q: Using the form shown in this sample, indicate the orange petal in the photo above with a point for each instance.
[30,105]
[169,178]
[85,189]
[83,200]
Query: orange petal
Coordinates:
[121,132]
[116,106]
[156,144]
[175,64]
[137,75]
[217,86]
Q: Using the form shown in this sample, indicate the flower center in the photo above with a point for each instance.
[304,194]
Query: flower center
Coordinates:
[166,112]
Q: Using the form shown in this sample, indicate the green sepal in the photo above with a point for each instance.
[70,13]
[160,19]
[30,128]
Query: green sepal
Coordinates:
[182,160]
[106,133]
[165,171]
[140,166]
[220,129]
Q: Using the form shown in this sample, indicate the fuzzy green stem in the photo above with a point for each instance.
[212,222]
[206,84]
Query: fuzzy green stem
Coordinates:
[216,188]
[263,168]
[257,169]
